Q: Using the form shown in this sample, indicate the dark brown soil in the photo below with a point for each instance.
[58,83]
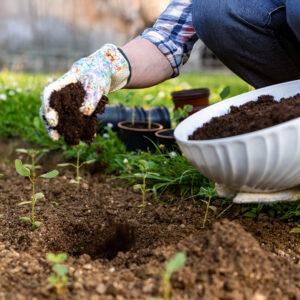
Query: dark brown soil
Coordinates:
[73,125]
[118,249]
[249,117]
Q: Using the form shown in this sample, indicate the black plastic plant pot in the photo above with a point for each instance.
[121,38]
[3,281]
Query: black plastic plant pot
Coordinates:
[116,113]
[165,137]
[138,136]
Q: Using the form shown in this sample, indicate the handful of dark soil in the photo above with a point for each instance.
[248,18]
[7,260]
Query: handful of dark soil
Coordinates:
[73,125]
[249,117]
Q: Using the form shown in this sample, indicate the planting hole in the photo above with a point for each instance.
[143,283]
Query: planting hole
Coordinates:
[96,240]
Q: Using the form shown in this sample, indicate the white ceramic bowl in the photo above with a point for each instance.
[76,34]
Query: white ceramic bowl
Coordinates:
[263,160]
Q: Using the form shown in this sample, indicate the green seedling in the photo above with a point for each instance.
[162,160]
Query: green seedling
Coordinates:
[30,173]
[59,279]
[171,266]
[208,193]
[35,155]
[145,167]
[78,165]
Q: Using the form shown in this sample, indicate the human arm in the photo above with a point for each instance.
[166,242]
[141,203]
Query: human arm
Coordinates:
[145,61]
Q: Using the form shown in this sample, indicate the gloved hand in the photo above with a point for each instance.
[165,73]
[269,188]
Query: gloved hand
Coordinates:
[104,71]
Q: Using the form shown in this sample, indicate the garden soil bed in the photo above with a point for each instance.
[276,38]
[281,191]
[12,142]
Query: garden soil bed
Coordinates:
[116,247]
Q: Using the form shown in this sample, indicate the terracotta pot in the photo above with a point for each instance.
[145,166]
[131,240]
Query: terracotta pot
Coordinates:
[138,136]
[198,98]
[166,138]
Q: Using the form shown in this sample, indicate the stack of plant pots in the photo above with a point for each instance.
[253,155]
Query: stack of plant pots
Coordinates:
[136,126]
[143,129]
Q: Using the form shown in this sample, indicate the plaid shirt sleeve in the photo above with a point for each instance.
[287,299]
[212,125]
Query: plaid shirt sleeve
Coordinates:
[173,33]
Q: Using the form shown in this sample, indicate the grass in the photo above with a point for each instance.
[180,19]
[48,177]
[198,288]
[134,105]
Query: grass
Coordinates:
[19,117]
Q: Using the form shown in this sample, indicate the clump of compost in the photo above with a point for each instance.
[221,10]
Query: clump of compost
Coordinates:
[72,124]
[249,117]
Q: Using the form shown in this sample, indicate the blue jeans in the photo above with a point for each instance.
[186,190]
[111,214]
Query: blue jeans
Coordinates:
[259,40]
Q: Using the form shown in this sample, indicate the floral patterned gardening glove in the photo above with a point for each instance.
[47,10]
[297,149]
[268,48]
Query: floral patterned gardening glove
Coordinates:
[102,72]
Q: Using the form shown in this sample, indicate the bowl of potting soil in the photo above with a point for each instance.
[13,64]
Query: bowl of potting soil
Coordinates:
[250,142]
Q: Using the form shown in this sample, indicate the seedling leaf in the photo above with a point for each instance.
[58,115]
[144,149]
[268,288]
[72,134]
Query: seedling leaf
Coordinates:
[50,174]
[66,165]
[21,150]
[137,187]
[91,161]
[37,224]
[24,202]
[38,196]
[60,269]
[21,169]
[26,219]
[295,230]
[176,262]
[56,258]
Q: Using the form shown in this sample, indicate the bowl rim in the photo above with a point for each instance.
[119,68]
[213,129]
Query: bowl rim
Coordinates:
[225,104]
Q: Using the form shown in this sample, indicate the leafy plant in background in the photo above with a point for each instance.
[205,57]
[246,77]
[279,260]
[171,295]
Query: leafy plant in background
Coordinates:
[181,113]
[30,173]
[225,92]
[78,165]
[59,279]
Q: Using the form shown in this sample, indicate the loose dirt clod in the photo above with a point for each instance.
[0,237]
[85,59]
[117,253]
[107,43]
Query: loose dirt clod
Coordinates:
[249,117]
[73,125]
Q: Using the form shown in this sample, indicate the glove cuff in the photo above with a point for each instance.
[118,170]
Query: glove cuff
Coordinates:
[120,67]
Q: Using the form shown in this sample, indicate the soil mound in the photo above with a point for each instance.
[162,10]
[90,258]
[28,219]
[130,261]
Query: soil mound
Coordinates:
[73,125]
[249,117]
[232,265]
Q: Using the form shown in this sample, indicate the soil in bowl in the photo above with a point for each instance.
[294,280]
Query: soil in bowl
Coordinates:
[73,125]
[251,116]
